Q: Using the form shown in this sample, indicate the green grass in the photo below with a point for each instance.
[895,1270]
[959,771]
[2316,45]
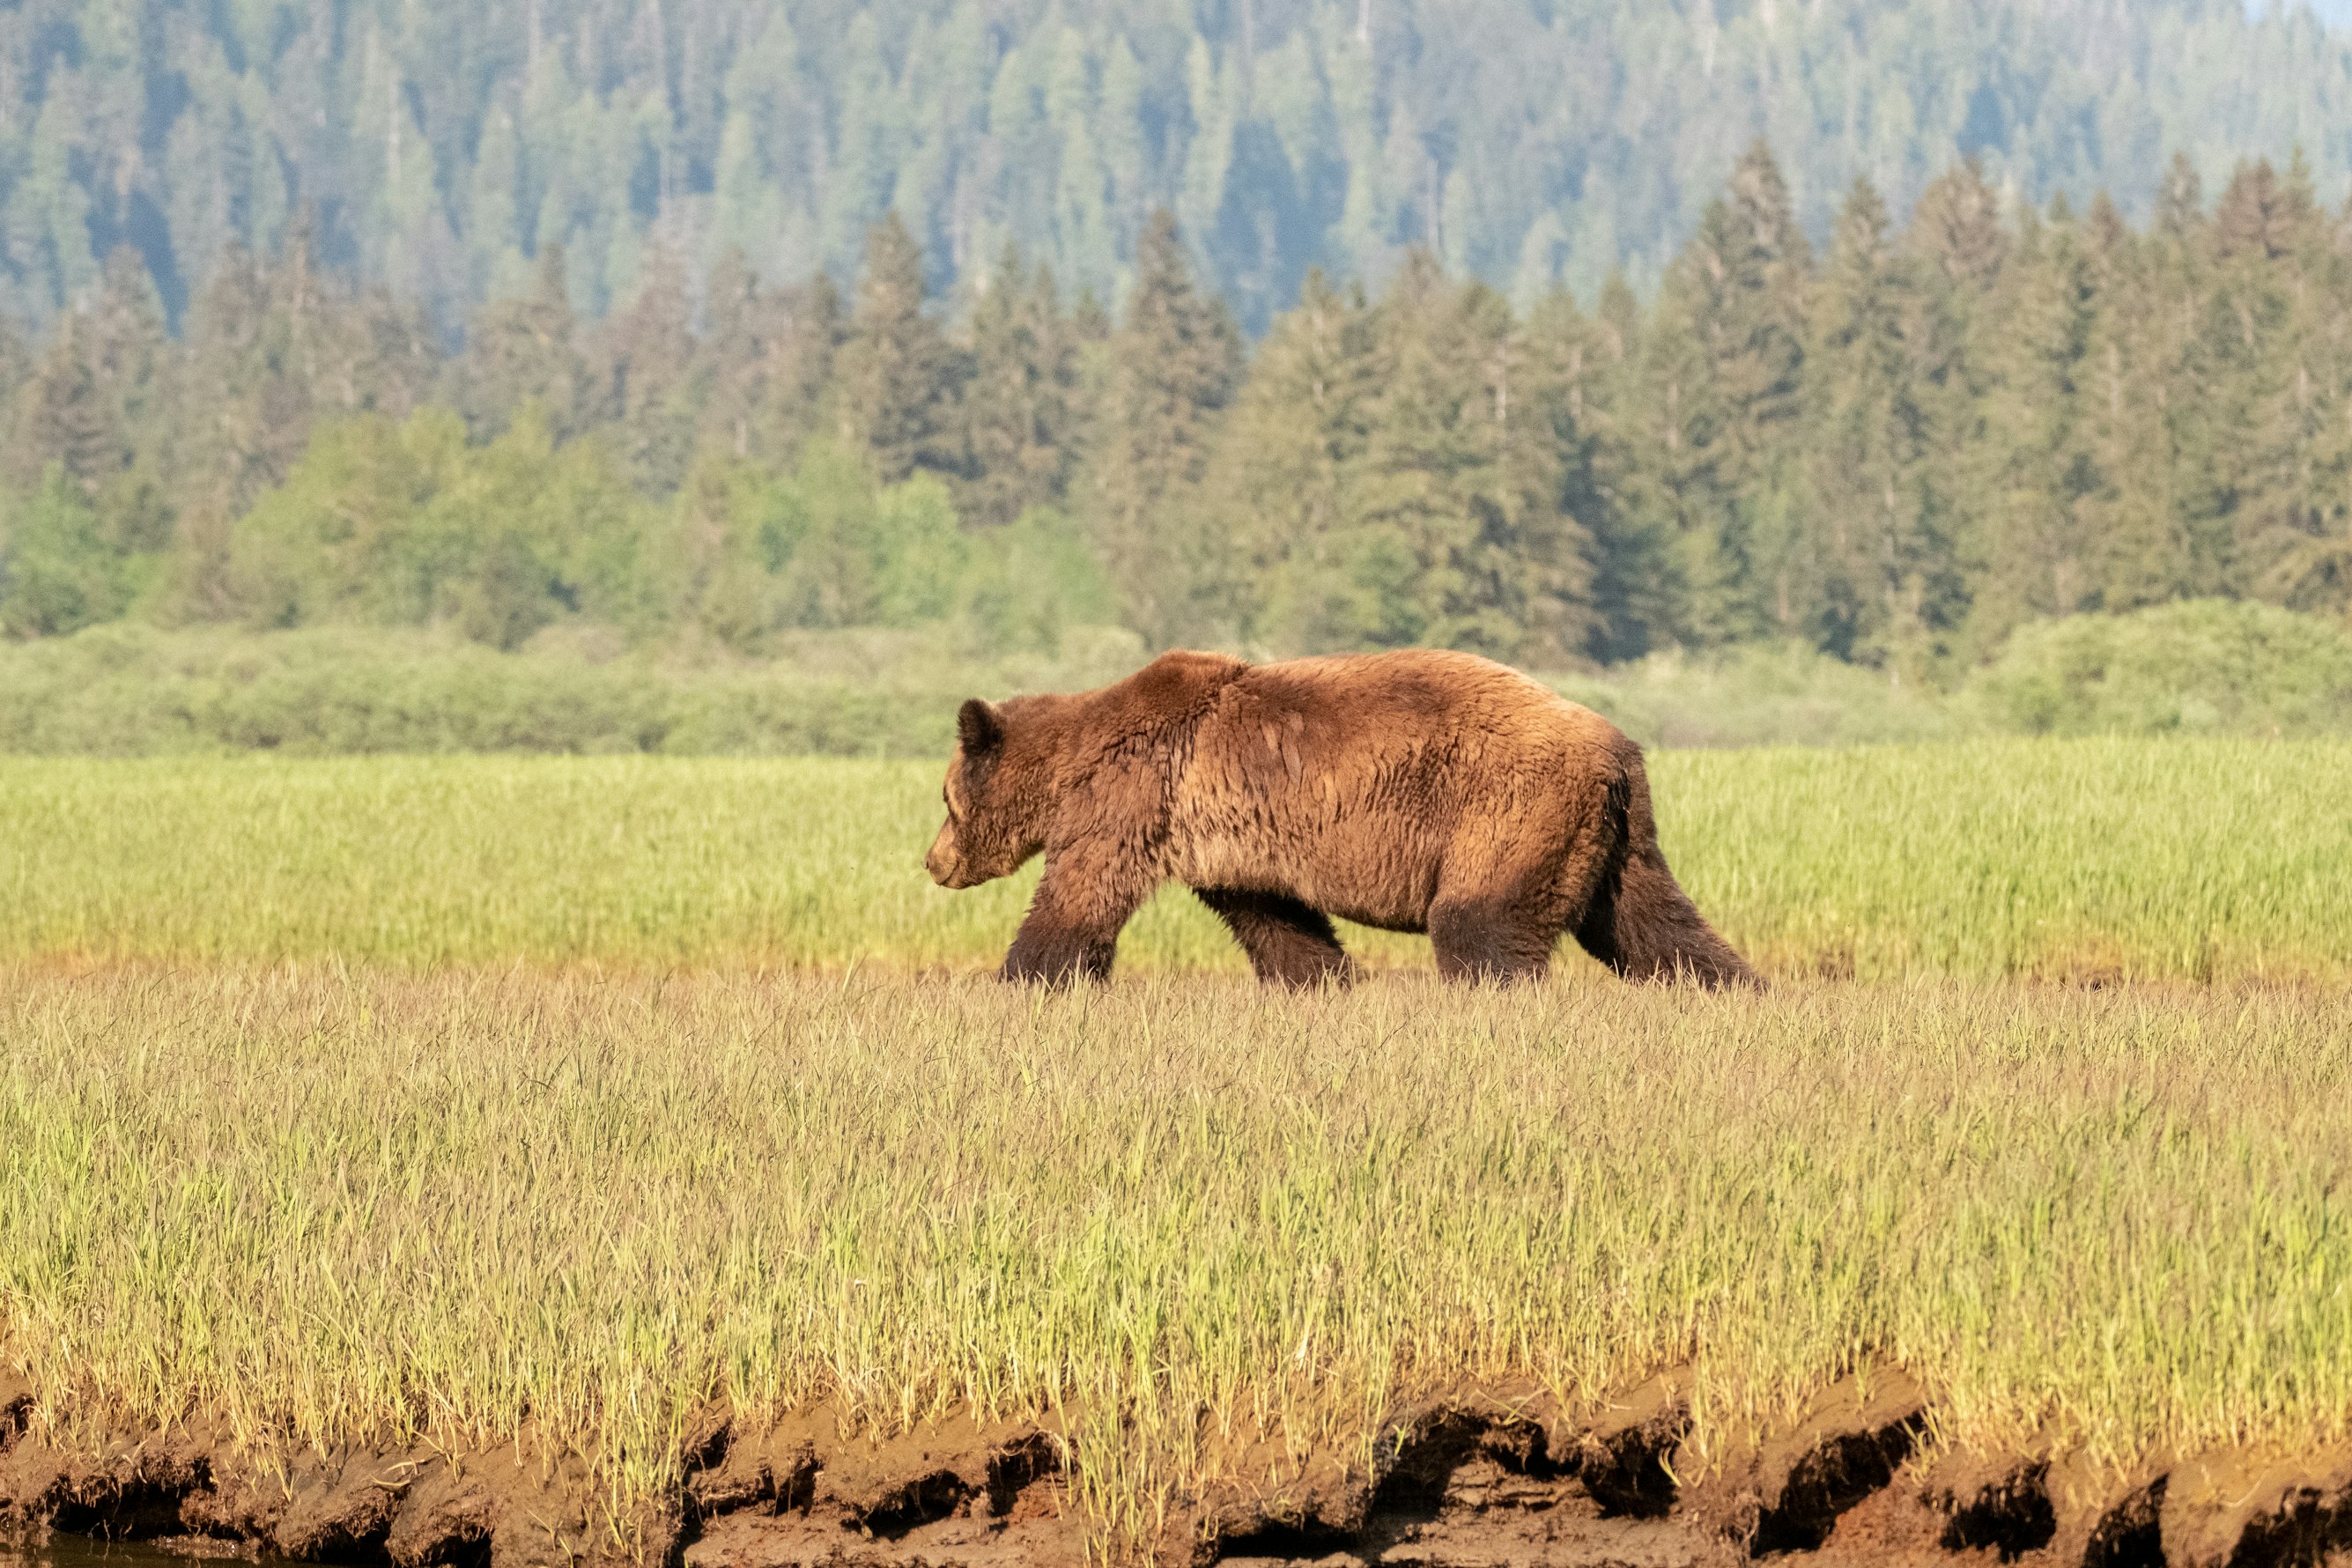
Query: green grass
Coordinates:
[341,1204]
[2108,858]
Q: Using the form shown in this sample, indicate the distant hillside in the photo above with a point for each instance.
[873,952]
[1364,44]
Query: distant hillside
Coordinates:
[2332,12]
[443,143]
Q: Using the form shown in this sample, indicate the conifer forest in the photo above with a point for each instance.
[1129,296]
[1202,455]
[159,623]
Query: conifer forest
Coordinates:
[1565,333]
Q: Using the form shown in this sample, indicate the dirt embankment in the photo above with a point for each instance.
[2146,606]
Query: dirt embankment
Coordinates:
[1475,1479]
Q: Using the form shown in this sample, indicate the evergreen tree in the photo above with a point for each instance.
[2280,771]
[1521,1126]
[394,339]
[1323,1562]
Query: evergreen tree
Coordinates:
[16,369]
[131,353]
[97,409]
[2140,525]
[645,354]
[1957,227]
[1906,451]
[2029,558]
[897,374]
[2180,204]
[1586,383]
[246,422]
[734,357]
[1959,247]
[1173,365]
[765,362]
[527,350]
[1726,362]
[1288,480]
[1463,477]
[1873,574]
[2277,384]
[1016,407]
[2262,216]
[806,327]
[67,419]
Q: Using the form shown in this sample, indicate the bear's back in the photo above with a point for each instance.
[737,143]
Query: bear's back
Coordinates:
[1427,697]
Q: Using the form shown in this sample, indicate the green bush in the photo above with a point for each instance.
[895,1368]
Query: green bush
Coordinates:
[2206,666]
[126,689]
[129,690]
[1776,694]
[57,573]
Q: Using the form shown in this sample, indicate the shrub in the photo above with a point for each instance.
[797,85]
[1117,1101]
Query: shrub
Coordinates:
[2205,667]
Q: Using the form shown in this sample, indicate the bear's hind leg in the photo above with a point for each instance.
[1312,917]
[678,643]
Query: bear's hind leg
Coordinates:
[1289,943]
[1501,939]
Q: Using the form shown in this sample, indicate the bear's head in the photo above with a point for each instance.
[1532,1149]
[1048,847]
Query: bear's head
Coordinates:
[997,796]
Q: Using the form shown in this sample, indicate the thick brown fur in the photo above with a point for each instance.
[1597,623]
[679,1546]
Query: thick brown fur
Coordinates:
[1416,791]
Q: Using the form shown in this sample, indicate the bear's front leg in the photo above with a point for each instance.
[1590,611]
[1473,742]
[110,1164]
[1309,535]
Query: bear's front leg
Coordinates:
[1083,900]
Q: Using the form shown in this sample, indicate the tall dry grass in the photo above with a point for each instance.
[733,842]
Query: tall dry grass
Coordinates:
[339,1204]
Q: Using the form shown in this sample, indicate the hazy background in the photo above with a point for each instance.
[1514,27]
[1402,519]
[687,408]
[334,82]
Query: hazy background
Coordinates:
[1524,140]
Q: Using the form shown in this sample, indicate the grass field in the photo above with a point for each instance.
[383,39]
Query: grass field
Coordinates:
[2109,859]
[339,1205]
[366,1099]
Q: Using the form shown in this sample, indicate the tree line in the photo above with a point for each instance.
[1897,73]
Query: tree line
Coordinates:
[1895,448]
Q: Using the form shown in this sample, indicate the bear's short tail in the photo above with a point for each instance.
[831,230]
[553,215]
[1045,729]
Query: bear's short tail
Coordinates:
[1640,923]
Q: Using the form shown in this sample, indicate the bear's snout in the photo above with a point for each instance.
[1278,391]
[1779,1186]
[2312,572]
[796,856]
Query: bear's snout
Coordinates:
[943,863]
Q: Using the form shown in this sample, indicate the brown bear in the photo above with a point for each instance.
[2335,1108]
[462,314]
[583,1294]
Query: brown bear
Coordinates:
[1416,791]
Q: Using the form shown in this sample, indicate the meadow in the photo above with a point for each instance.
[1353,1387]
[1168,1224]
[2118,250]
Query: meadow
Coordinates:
[2098,859]
[351,1100]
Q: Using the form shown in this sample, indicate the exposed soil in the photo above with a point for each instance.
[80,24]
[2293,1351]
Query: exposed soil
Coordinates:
[1473,1478]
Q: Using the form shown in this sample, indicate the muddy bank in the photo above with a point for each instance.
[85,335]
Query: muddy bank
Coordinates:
[1475,1478]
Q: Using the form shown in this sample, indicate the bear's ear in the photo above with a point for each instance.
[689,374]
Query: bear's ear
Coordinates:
[980,727]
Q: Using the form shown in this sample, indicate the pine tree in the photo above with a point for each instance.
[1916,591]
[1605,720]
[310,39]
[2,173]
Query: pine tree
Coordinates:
[1173,365]
[94,403]
[131,353]
[1873,576]
[1958,248]
[1287,476]
[68,418]
[527,350]
[1956,226]
[2310,567]
[2262,216]
[1726,374]
[244,418]
[646,356]
[2180,204]
[1586,383]
[2271,384]
[898,378]
[734,358]
[764,364]
[1016,407]
[1463,475]
[2029,556]
[16,364]
[808,329]
[2135,537]
[270,353]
